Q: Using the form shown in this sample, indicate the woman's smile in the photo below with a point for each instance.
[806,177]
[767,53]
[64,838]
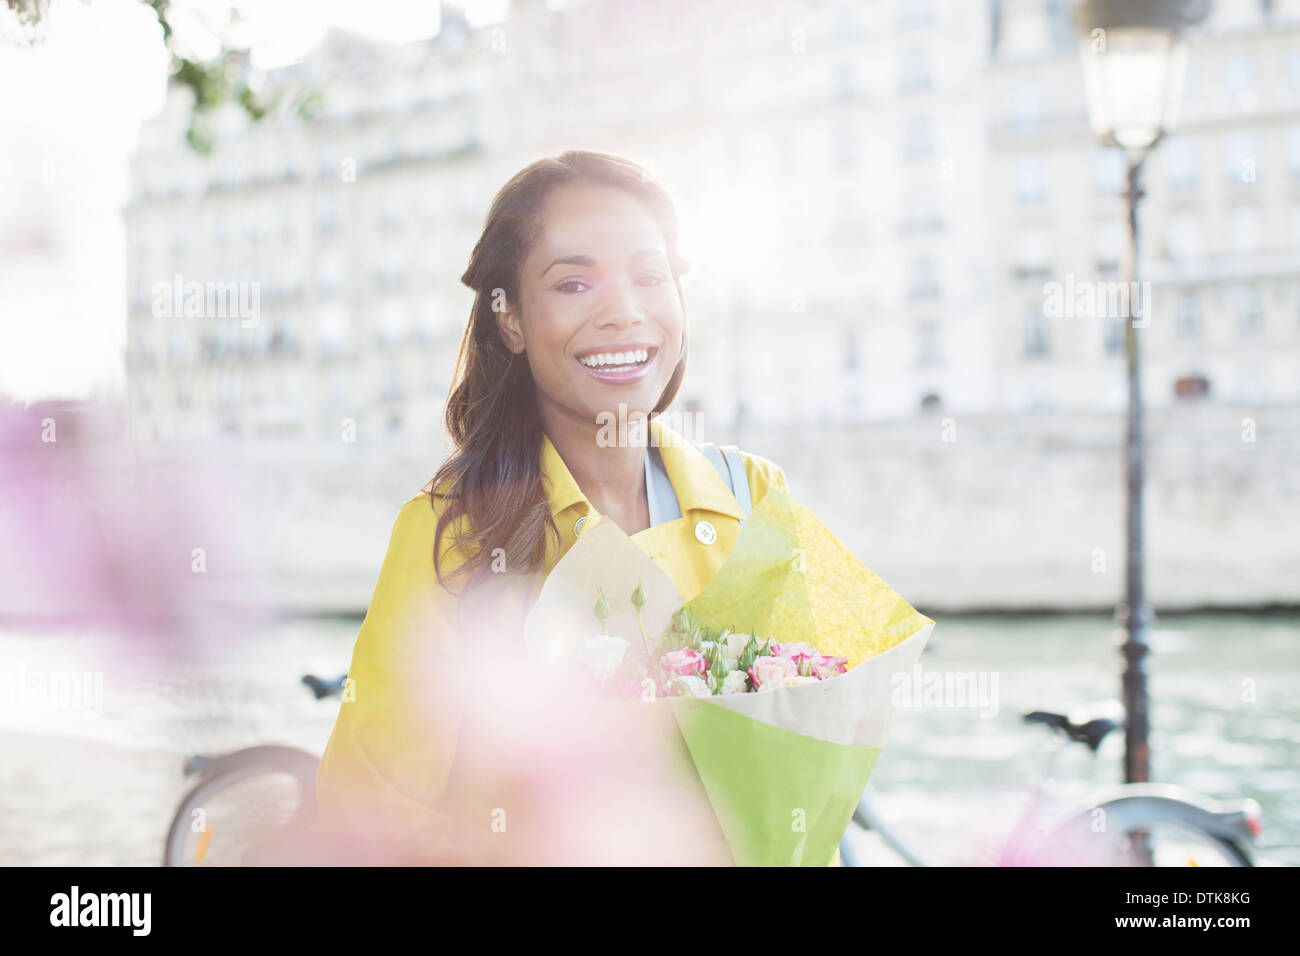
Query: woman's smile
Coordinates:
[619,363]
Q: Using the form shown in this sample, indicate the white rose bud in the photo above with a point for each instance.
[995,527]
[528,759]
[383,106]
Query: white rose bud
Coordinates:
[692,686]
[734,682]
[736,645]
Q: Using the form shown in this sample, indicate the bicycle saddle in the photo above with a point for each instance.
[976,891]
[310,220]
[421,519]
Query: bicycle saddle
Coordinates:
[324,688]
[1088,726]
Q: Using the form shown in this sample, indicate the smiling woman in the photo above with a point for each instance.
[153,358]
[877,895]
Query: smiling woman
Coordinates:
[578,310]
[578,318]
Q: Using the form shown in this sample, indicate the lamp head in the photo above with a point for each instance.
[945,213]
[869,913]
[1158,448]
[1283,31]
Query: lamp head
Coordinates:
[1134,59]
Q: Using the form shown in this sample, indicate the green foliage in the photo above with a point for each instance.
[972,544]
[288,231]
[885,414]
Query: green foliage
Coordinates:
[224,79]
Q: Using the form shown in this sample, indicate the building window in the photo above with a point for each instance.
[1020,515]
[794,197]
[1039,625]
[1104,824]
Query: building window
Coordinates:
[1241,157]
[1111,243]
[1238,76]
[331,269]
[1026,109]
[850,351]
[927,344]
[921,209]
[916,72]
[1060,27]
[846,147]
[1030,178]
[1245,231]
[915,13]
[1033,255]
[334,328]
[1107,171]
[1190,325]
[1116,334]
[847,19]
[1038,342]
[327,215]
[918,141]
[1250,312]
[336,390]
[1183,237]
[329,160]
[392,390]
[285,338]
[430,320]
[1180,164]
[923,278]
[392,323]
[845,83]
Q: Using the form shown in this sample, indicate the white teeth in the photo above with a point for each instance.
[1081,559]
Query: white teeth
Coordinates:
[634,357]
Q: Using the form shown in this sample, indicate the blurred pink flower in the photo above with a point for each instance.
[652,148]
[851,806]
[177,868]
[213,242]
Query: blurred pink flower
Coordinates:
[547,770]
[797,651]
[824,666]
[771,672]
[100,535]
[685,663]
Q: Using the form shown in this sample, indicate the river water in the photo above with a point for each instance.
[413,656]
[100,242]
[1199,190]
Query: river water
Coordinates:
[93,779]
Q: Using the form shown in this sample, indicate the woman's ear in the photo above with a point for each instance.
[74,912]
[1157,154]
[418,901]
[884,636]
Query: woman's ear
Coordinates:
[508,326]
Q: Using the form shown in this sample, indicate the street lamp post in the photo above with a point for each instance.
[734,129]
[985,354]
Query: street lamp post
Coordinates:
[1134,59]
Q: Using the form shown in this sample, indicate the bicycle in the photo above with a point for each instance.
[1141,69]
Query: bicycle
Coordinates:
[245,799]
[248,798]
[1135,824]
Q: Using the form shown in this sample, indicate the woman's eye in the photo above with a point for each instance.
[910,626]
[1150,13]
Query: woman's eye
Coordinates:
[655,279]
[569,282]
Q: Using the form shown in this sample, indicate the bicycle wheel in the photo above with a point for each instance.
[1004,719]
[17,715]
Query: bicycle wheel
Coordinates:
[247,801]
[1165,844]
[1142,831]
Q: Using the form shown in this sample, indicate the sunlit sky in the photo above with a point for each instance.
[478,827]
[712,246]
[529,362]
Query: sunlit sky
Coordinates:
[86,87]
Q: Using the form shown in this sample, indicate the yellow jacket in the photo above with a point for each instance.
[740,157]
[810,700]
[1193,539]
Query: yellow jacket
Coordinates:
[387,757]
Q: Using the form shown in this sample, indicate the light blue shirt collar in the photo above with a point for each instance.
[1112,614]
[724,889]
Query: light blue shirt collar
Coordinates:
[659,489]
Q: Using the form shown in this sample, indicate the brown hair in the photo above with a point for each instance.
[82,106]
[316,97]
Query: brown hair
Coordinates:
[493,478]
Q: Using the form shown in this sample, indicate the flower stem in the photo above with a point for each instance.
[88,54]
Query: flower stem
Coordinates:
[645,641]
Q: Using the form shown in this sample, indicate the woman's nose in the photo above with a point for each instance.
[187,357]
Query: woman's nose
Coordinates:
[621,306]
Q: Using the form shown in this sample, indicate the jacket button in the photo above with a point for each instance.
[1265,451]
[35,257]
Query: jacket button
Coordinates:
[705,533]
[577,525]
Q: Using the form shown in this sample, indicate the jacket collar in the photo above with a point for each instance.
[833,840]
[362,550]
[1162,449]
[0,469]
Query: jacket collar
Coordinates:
[696,482]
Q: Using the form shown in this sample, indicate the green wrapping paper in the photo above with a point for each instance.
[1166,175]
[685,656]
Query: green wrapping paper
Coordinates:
[782,798]
[784,768]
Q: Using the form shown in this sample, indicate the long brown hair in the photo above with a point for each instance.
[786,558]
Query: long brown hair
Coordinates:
[492,482]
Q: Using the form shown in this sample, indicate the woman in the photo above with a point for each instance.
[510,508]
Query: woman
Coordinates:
[578,316]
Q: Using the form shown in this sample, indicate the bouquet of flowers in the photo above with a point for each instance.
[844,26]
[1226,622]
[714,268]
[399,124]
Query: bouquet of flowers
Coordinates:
[778,672]
[686,660]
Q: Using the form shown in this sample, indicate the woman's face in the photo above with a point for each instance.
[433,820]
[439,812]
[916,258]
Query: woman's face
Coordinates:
[598,316]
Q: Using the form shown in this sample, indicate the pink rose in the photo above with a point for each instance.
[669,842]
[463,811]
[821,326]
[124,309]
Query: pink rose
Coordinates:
[797,651]
[684,663]
[824,667]
[768,673]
